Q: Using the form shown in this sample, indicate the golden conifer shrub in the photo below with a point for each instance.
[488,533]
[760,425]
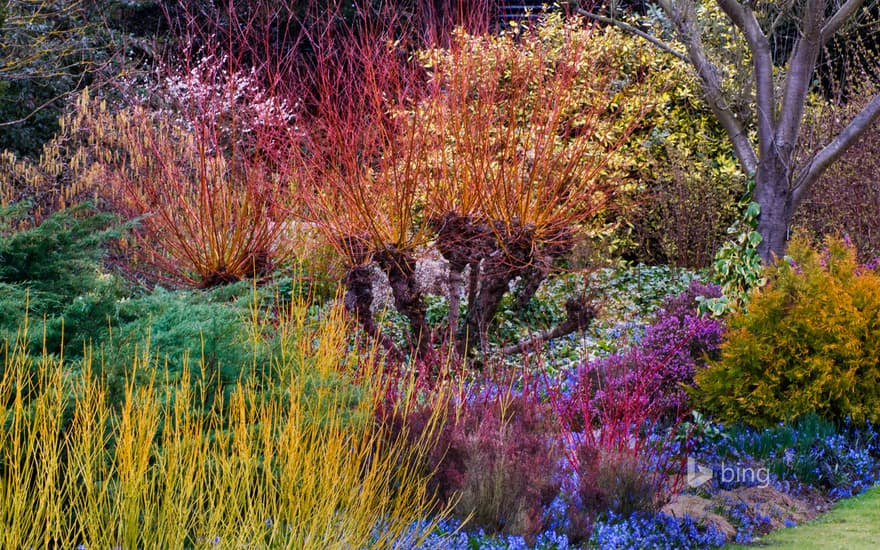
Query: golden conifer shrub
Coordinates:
[808,342]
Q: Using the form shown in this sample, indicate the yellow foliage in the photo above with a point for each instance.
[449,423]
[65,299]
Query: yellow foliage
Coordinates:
[808,342]
[686,181]
[158,471]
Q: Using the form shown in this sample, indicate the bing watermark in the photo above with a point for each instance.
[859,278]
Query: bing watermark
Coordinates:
[698,474]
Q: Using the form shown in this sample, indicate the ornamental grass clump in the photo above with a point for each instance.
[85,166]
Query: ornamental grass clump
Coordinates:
[808,342]
[497,457]
[623,459]
[161,470]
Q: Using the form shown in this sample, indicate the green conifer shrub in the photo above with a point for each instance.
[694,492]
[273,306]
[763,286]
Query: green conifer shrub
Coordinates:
[53,271]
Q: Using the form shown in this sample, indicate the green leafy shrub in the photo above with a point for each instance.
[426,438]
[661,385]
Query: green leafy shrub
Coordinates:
[52,274]
[226,336]
[737,267]
[809,341]
[686,178]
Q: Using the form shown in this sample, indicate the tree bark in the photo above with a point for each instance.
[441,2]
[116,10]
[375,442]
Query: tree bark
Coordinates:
[532,277]
[455,285]
[401,271]
[358,301]
[772,193]
[494,283]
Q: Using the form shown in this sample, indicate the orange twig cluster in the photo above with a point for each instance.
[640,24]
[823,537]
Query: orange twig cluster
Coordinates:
[495,149]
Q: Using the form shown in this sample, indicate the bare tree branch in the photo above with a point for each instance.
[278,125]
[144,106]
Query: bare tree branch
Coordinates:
[833,24]
[831,152]
[744,18]
[799,78]
[31,32]
[33,112]
[778,20]
[579,315]
[634,30]
[535,341]
[683,17]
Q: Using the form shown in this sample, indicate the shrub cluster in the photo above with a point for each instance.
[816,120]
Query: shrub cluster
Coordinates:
[659,367]
[497,151]
[844,200]
[493,151]
[685,178]
[606,481]
[52,273]
[808,342]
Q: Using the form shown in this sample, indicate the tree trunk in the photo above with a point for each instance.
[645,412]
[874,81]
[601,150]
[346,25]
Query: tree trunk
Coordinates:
[532,278]
[773,194]
[401,271]
[359,299]
[464,339]
[494,283]
[778,119]
[455,283]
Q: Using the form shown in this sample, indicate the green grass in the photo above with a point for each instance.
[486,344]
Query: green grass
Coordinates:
[852,524]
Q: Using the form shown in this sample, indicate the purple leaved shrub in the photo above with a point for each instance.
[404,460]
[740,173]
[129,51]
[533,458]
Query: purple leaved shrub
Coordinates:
[613,405]
[657,371]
